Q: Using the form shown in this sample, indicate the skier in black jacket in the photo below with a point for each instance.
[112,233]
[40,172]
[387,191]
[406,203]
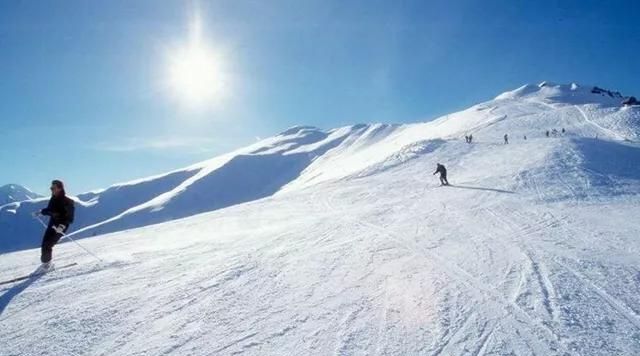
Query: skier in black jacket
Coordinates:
[60,211]
[443,174]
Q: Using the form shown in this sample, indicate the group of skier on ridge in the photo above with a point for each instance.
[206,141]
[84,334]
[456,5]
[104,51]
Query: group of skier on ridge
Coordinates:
[440,168]
[554,132]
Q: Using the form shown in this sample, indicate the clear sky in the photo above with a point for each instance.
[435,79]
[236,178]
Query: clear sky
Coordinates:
[87,96]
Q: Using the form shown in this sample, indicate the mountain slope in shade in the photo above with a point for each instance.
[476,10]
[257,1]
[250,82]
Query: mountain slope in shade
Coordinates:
[10,193]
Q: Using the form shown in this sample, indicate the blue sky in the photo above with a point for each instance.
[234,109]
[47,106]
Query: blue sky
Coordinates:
[83,82]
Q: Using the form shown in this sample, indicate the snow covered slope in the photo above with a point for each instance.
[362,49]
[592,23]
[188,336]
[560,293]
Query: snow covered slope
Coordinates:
[303,156]
[10,193]
[356,250]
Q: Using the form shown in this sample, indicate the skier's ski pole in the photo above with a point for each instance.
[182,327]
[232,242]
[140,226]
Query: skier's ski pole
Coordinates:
[65,236]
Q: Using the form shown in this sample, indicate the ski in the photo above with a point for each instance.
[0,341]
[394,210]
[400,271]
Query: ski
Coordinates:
[36,274]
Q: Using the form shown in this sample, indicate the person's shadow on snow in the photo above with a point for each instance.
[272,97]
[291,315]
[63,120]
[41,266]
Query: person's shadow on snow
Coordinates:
[483,188]
[12,292]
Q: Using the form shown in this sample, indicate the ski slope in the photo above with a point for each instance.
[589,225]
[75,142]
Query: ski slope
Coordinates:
[303,156]
[533,250]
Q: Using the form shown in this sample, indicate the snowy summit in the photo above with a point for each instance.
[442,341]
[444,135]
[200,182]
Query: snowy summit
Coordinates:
[341,241]
[10,193]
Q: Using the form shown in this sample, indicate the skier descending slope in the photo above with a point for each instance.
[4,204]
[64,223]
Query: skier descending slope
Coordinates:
[443,174]
[60,211]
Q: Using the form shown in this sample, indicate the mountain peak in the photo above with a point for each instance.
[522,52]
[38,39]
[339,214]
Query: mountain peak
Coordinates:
[10,193]
[299,129]
[572,93]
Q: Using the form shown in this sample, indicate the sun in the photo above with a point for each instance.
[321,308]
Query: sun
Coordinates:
[195,72]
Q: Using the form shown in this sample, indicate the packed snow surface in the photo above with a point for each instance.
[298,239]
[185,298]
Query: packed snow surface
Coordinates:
[342,242]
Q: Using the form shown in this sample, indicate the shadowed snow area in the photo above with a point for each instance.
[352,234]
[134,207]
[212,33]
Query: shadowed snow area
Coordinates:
[13,193]
[342,242]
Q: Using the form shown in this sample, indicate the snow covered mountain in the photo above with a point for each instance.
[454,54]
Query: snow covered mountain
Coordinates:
[341,242]
[304,156]
[10,193]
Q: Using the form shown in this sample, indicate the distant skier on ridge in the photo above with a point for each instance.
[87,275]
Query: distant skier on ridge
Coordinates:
[443,174]
[60,211]
[506,139]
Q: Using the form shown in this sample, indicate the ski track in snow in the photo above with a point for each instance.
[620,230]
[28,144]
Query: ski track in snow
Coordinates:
[454,271]
[601,128]
[415,274]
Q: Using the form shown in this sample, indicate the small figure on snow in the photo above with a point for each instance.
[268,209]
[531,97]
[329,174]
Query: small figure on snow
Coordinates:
[547,133]
[60,211]
[466,138]
[443,174]
[525,137]
[470,138]
[506,139]
[563,131]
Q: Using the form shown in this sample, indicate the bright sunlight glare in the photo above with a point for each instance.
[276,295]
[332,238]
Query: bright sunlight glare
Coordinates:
[195,73]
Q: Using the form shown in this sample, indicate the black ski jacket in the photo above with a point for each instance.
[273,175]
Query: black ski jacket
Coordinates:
[60,210]
[440,169]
